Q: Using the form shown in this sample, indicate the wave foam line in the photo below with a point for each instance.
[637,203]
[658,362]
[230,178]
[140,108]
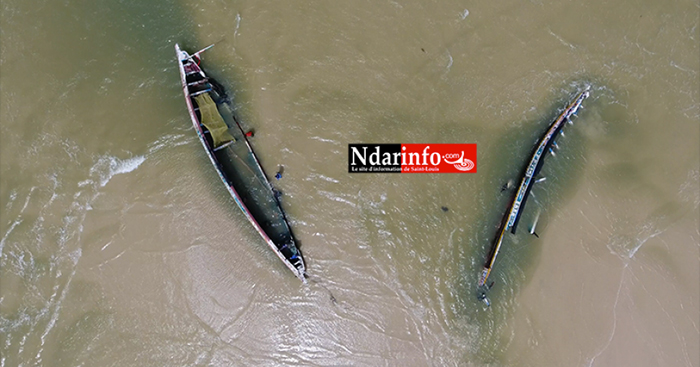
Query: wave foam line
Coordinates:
[108,167]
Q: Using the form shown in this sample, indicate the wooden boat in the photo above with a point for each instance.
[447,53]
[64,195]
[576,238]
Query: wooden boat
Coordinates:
[512,215]
[234,160]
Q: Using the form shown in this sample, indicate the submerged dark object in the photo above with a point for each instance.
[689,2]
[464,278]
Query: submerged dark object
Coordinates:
[234,160]
[512,215]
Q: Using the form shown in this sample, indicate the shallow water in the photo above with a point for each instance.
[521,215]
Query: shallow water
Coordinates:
[120,246]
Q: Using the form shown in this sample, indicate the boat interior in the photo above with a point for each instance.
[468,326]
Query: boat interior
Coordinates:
[235,160]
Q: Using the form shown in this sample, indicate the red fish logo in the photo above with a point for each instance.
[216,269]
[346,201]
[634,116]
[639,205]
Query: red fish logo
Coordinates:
[462,164]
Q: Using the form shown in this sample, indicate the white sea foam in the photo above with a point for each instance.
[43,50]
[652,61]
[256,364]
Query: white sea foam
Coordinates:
[323,139]
[108,167]
[4,238]
[169,140]
[449,63]
[57,299]
[13,196]
[18,220]
[315,176]
[238,24]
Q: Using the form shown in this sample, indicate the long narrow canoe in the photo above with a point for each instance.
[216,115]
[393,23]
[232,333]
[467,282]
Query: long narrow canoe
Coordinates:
[233,158]
[512,216]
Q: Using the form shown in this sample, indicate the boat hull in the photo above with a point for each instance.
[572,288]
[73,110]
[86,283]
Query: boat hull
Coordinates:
[238,166]
[517,203]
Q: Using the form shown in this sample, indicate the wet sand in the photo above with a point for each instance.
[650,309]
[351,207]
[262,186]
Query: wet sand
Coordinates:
[598,297]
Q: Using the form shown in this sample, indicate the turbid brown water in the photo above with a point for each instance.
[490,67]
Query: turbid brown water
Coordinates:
[121,247]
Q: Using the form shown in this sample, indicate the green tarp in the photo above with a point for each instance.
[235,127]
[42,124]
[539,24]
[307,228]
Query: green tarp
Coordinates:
[212,120]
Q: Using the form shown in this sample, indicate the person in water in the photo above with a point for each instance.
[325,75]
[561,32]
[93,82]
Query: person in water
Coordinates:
[508,185]
[481,296]
[278,175]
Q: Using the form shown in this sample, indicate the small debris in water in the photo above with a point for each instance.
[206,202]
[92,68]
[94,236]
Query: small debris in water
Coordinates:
[445,209]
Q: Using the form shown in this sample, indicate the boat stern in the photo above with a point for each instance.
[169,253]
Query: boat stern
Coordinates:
[484,275]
